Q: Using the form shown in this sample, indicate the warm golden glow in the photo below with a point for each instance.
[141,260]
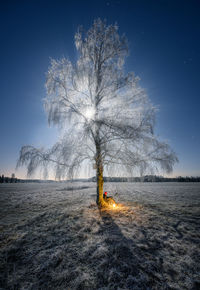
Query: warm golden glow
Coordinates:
[114,205]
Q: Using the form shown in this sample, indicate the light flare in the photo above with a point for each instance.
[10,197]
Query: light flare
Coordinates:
[89,113]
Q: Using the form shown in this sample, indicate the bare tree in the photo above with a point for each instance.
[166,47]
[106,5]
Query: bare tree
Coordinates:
[104,115]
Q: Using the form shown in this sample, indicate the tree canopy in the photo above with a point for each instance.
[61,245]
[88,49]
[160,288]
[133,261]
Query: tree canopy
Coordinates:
[104,115]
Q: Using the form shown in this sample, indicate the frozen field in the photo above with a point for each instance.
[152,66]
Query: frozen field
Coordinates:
[52,236]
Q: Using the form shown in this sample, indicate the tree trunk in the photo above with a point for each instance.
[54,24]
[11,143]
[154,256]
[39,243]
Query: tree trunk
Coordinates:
[100,200]
[99,170]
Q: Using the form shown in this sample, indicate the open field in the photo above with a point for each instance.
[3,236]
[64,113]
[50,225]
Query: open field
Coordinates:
[54,237]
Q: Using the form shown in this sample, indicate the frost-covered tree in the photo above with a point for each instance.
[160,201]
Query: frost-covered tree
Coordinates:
[105,117]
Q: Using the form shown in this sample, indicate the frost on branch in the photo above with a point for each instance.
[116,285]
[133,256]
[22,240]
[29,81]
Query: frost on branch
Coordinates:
[104,115]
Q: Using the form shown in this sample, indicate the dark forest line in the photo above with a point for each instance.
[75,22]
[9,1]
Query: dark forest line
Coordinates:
[146,178]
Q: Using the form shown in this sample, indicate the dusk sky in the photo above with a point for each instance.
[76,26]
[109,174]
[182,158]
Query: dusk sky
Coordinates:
[164,43]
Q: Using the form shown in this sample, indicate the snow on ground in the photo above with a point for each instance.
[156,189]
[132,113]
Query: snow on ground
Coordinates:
[54,237]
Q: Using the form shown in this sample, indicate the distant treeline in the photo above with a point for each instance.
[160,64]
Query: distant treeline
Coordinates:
[146,178]
[150,178]
[5,179]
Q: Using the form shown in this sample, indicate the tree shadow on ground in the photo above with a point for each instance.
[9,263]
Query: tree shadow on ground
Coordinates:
[124,264]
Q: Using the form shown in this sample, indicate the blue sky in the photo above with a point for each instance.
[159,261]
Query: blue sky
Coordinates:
[164,47]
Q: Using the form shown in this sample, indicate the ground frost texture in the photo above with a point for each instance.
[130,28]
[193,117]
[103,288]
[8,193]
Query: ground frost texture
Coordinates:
[54,237]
